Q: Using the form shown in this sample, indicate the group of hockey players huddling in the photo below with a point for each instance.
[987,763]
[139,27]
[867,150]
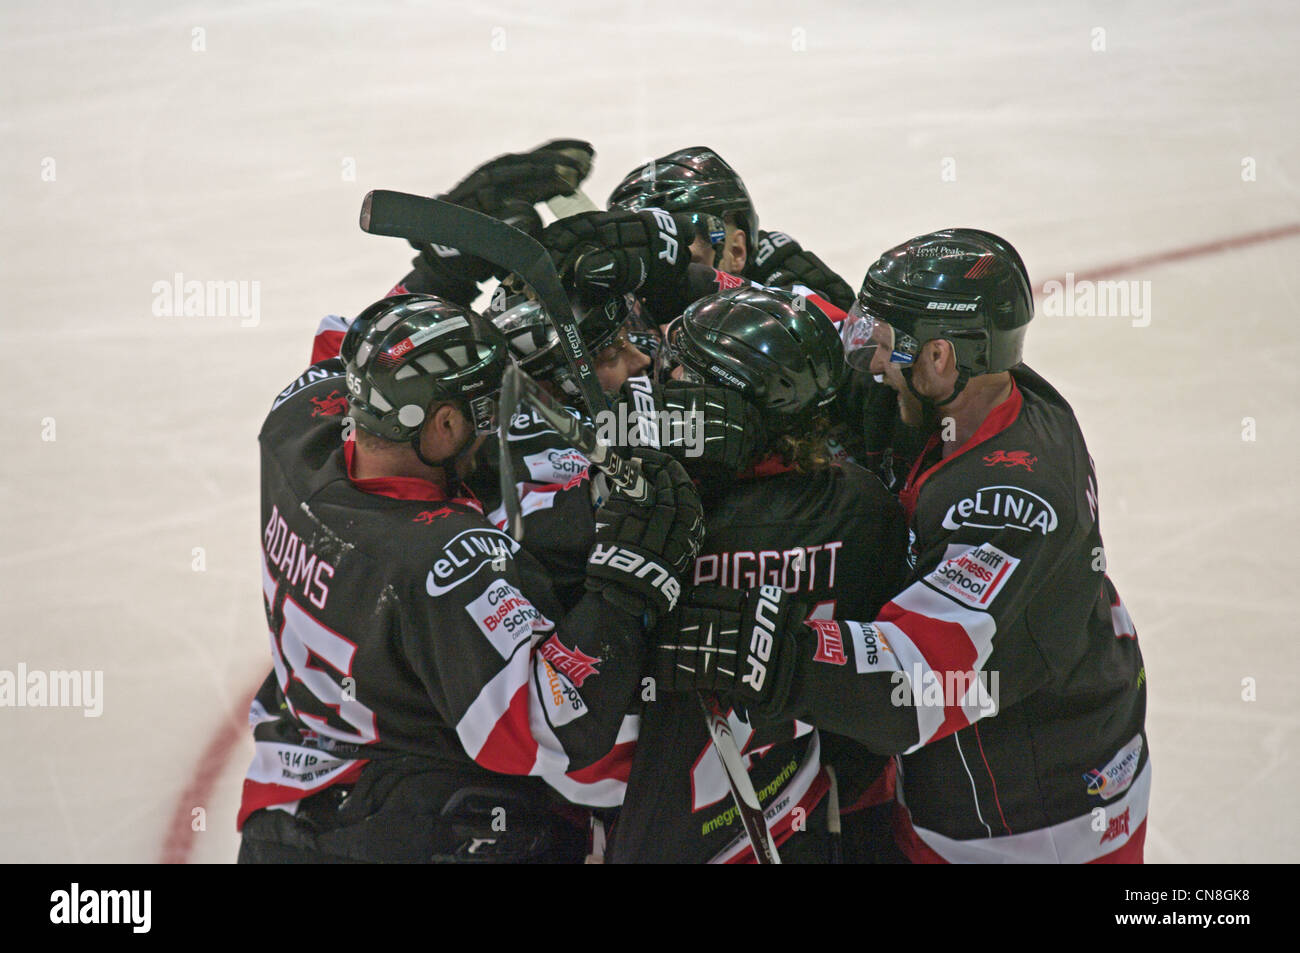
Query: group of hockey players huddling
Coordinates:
[875,543]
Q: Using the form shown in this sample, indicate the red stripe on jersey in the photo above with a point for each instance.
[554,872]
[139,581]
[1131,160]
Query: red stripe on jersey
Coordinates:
[784,828]
[996,800]
[616,765]
[831,311]
[259,794]
[882,790]
[510,747]
[326,345]
[947,646]
[402,488]
[999,419]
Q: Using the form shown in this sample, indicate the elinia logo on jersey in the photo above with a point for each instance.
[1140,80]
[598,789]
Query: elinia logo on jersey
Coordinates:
[77,906]
[179,298]
[53,689]
[1098,299]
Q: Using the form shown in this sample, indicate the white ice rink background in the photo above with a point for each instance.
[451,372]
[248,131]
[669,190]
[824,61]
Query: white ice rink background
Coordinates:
[1156,143]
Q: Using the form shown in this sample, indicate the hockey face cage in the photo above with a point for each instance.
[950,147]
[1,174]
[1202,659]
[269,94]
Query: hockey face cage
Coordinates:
[536,347]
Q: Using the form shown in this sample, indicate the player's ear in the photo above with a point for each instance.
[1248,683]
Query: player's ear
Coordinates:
[941,356]
[445,428]
[738,247]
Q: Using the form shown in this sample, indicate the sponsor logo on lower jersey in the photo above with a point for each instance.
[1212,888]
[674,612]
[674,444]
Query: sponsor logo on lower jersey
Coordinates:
[973,576]
[505,616]
[1114,779]
[1118,826]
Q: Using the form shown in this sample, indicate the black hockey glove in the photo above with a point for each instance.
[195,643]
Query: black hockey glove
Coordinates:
[781,261]
[619,252]
[712,431]
[643,549]
[737,642]
[506,188]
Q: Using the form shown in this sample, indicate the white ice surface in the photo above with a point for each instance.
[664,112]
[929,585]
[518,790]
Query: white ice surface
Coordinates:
[229,164]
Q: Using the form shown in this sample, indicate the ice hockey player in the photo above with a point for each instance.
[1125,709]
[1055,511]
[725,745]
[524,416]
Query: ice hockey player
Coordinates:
[1006,675]
[828,536]
[429,697]
[700,183]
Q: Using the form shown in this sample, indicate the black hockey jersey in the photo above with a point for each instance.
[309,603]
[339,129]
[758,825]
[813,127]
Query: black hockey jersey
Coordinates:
[834,538]
[402,623]
[1008,672]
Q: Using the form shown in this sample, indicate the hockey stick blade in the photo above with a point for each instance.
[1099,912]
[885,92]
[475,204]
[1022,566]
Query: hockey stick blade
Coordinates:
[422,219]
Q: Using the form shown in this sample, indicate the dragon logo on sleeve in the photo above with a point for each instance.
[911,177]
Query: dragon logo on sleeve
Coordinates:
[1011,458]
[330,406]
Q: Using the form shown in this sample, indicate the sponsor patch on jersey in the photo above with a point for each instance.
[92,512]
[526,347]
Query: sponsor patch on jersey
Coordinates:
[871,651]
[556,465]
[830,643]
[573,663]
[560,699]
[1114,779]
[1117,827]
[465,555]
[1002,507]
[973,576]
[505,616]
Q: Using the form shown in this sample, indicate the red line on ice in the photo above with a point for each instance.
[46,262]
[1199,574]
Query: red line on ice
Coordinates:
[180,835]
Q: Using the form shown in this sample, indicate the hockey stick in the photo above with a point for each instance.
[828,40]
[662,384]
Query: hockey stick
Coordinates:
[575,203]
[627,475]
[422,219]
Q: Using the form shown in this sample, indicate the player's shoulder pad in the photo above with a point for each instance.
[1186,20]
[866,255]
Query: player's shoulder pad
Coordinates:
[330,404]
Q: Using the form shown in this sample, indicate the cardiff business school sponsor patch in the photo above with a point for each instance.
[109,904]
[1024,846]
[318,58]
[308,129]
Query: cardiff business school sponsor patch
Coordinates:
[505,616]
[1114,779]
[1002,507]
[556,465]
[973,576]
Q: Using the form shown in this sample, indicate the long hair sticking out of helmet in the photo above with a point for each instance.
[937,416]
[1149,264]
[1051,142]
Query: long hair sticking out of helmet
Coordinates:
[778,350]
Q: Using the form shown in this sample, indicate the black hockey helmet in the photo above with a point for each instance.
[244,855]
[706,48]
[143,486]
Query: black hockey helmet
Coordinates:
[778,349]
[535,345]
[693,181]
[416,349]
[961,285]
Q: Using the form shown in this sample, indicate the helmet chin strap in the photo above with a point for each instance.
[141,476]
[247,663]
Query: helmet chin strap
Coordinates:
[929,402]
